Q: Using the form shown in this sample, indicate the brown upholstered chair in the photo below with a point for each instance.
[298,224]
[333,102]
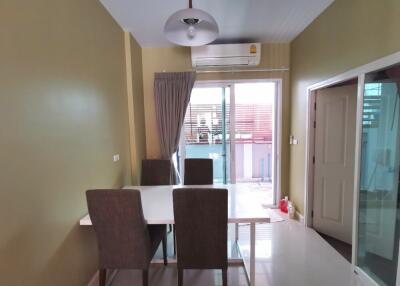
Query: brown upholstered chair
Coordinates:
[156,172]
[201,223]
[198,171]
[124,239]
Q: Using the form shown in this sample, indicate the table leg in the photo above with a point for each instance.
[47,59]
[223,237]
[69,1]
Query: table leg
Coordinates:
[236,232]
[252,253]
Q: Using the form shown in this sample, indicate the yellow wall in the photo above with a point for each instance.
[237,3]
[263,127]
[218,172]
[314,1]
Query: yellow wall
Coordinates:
[138,103]
[178,59]
[135,105]
[348,34]
[63,115]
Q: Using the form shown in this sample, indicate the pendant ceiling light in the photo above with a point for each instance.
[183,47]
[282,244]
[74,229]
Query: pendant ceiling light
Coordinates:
[191,27]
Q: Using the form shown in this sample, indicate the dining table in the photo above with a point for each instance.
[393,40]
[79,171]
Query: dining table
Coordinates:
[244,207]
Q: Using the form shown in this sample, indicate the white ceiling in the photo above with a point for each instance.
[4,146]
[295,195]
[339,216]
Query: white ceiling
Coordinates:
[239,20]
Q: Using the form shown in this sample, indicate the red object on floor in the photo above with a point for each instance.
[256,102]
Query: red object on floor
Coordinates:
[283,205]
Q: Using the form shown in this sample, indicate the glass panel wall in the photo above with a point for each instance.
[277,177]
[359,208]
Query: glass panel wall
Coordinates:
[378,229]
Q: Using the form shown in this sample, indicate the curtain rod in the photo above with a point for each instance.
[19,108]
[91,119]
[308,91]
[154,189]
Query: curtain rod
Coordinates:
[241,70]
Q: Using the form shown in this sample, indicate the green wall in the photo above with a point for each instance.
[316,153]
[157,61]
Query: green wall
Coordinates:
[348,34]
[63,115]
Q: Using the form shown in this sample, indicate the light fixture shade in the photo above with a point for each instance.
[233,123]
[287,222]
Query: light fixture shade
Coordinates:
[203,31]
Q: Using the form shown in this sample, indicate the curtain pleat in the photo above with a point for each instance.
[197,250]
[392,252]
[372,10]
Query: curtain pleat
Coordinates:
[172,95]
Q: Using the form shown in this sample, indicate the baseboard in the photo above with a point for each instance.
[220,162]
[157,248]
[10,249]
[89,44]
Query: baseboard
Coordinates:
[299,217]
[95,280]
[110,277]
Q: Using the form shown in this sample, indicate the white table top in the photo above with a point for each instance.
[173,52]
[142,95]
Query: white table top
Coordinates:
[243,205]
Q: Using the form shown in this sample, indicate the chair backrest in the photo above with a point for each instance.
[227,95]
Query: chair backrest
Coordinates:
[198,171]
[201,222]
[156,172]
[122,234]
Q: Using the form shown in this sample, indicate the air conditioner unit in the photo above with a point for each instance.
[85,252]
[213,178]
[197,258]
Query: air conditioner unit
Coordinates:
[226,55]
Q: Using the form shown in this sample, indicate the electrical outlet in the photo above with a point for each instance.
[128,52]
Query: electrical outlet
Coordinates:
[116,158]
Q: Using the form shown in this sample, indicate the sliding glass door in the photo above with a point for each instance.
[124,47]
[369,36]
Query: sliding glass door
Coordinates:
[254,125]
[379,216]
[206,129]
[234,124]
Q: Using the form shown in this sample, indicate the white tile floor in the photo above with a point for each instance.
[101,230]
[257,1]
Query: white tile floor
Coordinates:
[263,191]
[287,254]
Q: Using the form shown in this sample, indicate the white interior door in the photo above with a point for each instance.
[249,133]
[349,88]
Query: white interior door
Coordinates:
[334,161]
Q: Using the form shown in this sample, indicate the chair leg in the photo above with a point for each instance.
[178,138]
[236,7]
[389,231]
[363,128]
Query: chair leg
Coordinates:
[164,246]
[180,277]
[174,234]
[102,277]
[224,277]
[145,277]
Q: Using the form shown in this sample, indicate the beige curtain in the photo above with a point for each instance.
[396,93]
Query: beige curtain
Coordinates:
[172,94]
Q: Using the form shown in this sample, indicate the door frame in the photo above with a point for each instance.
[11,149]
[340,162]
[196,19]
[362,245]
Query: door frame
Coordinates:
[277,132]
[358,73]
